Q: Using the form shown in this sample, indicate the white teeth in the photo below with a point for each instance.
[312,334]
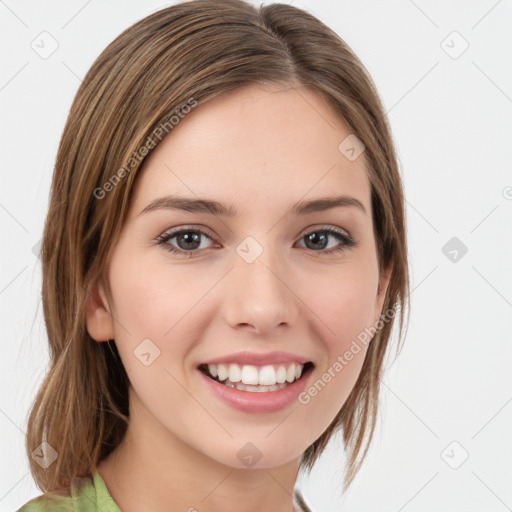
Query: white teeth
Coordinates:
[281,375]
[268,375]
[222,372]
[255,389]
[290,373]
[250,374]
[234,373]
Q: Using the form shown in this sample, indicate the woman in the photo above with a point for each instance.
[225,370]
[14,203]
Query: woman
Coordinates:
[223,260]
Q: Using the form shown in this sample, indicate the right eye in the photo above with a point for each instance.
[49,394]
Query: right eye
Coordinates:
[188,238]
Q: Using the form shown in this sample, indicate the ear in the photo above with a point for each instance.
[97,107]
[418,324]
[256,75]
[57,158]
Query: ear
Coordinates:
[384,279]
[100,324]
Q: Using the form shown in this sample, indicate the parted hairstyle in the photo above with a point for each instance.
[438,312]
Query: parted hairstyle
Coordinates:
[183,55]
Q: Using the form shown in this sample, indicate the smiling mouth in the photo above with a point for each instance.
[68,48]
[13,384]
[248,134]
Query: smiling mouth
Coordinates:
[260,379]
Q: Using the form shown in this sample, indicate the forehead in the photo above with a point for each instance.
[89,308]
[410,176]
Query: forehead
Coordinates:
[255,147]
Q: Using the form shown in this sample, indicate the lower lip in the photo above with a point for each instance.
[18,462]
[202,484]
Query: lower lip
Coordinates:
[256,402]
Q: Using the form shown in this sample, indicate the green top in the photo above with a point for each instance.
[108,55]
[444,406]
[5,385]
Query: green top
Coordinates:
[92,495]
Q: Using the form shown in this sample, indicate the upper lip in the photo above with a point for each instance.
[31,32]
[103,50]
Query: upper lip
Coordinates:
[258,359]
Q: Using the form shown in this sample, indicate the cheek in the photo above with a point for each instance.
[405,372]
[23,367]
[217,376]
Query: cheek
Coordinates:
[160,303]
[344,300]
[154,300]
[155,325]
[346,312]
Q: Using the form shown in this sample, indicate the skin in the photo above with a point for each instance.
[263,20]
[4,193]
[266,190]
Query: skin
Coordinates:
[262,150]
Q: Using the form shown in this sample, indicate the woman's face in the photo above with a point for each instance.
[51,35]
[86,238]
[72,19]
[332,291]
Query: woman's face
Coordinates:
[267,286]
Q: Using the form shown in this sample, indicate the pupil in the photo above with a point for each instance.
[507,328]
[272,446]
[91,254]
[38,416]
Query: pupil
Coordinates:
[193,239]
[314,237]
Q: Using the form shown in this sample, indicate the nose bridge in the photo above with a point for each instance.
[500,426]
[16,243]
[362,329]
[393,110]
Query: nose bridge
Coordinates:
[257,262]
[258,294]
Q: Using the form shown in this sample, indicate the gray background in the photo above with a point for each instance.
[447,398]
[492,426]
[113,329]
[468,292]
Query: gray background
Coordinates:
[449,395]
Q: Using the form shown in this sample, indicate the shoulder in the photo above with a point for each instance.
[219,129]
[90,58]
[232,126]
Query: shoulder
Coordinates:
[45,503]
[82,499]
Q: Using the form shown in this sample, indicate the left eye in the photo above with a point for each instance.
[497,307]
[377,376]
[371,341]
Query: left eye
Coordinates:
[188,240]
[321,236]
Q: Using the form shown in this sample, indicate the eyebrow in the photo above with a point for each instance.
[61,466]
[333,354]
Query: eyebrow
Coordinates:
[174,202]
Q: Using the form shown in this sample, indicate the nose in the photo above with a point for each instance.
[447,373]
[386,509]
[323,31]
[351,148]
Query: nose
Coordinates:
[258,297]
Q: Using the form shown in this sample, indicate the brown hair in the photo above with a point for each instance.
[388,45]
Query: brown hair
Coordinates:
[192,50]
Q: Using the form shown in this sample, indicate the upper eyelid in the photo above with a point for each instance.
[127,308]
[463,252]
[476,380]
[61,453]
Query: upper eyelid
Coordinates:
[171,233]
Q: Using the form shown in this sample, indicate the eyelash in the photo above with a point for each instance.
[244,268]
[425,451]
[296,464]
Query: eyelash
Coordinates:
[347,240]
